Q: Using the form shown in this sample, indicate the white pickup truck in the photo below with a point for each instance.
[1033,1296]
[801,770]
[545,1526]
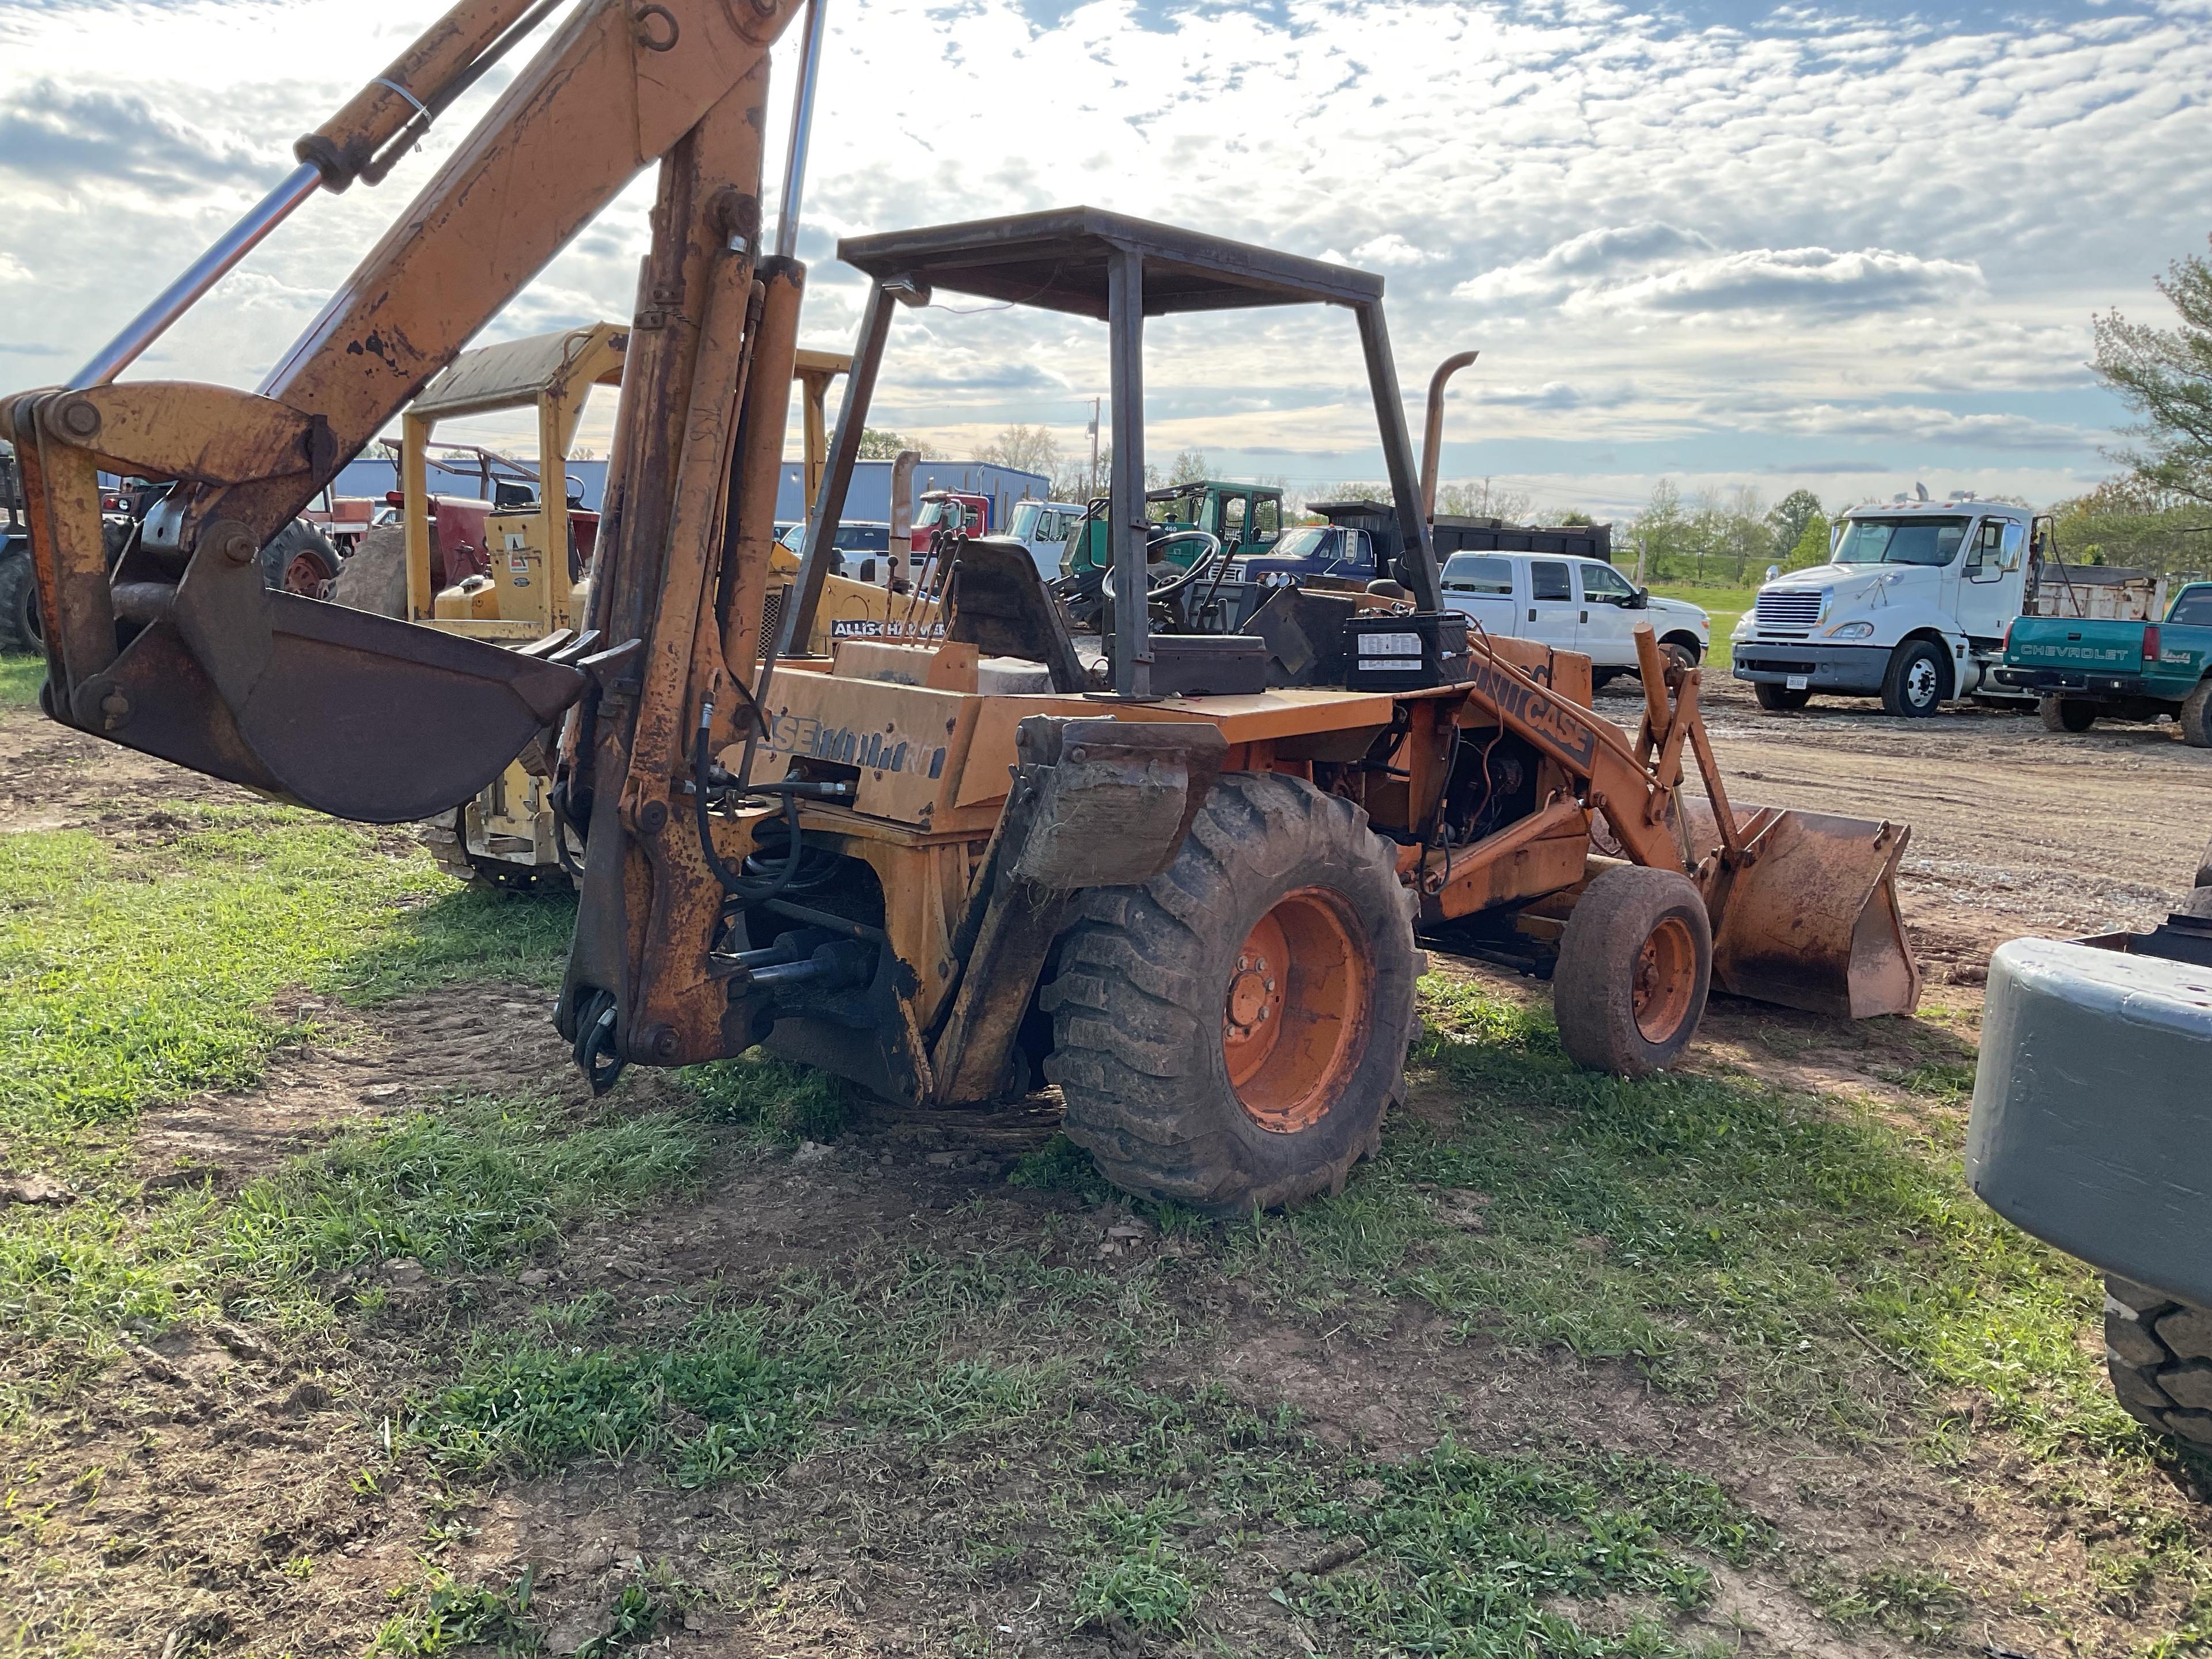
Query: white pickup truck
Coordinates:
[1912,607]
[1577,604]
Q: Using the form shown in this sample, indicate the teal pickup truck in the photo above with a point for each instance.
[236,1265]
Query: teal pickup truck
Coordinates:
[2083,670]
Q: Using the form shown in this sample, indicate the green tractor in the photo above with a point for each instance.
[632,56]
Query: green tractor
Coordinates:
[1242,518]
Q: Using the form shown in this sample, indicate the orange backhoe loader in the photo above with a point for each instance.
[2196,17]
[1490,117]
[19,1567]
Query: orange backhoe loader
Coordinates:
[1183,888]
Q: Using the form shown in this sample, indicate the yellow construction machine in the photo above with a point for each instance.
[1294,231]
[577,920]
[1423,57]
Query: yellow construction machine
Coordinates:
[514,571]
[952,870]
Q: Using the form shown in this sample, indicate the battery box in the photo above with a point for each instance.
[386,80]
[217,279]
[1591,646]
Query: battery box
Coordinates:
[1405,650]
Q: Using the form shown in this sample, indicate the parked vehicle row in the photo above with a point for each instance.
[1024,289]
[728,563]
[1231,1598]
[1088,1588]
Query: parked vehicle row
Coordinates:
[1921,603]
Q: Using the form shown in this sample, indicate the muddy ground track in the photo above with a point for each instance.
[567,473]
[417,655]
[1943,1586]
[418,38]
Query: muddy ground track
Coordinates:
[217,1456]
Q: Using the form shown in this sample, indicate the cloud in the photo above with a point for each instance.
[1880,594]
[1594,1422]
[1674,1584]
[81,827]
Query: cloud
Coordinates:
[1581,261]
[1641,268]
[1941,426]
[1817,468]
[1808,281]
[54,134]
[1552,394]
[1671,236]
[1391,250]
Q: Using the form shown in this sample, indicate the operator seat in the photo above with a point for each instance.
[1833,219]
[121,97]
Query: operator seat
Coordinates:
[997,602]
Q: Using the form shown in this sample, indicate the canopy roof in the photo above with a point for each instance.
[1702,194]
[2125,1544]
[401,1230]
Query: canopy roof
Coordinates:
[1060,259]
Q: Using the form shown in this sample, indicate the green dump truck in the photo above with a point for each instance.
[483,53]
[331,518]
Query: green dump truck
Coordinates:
[2083,670]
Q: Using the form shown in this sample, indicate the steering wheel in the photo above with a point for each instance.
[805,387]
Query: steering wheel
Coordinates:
[1163,589]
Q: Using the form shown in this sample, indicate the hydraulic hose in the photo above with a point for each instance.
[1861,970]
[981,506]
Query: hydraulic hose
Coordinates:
[745,889]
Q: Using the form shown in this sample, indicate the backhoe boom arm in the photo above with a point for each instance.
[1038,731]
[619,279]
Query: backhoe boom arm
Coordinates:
[180,652]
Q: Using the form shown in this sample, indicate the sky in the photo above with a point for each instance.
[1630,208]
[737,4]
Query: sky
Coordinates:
[1725,242]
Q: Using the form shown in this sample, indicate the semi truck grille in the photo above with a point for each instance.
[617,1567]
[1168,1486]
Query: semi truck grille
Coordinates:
[1798,610]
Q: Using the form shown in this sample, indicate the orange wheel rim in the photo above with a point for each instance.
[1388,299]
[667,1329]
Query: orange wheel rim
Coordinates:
[1666,979]
[303,575]
[1296,1009]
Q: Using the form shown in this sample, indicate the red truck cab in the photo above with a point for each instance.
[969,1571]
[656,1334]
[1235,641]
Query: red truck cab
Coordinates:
[950,509]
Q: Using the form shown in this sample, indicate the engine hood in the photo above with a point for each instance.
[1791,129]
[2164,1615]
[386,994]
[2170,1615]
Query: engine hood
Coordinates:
[1855,584]
[1682,609]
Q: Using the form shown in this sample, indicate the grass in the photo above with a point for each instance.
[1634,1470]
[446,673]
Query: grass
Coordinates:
[1822,1271]
[454,1619]
[1723,604]
[716,1389]
[135,973]
[1033,1427]
[21,676]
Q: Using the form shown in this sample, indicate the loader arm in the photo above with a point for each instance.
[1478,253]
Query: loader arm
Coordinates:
[1802,905]
[182,654]
[1638,794]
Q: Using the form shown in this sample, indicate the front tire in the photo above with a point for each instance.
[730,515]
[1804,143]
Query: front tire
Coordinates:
[1780,699]
[2159,1354]
[1918,681]
[1635,965]
[1229,1034]
[2065,714]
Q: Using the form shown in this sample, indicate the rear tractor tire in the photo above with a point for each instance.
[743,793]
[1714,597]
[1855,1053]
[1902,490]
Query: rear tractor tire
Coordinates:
[299,559]
[1635,967]
[1780,699]
[2159,1352]
[2065,714]
[1229,1034]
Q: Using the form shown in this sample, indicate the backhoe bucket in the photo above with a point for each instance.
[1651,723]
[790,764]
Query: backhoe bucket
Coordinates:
[1809,918]
[355,715]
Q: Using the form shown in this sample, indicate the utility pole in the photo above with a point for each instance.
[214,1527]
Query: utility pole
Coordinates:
[1095,403]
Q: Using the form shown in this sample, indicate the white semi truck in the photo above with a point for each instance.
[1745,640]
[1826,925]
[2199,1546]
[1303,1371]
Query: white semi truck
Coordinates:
[1912,607]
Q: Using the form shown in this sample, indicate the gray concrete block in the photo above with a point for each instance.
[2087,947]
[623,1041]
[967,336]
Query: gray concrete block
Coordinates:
[2092,1124]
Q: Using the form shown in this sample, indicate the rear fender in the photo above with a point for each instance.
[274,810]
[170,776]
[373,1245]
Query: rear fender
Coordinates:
[1096,803]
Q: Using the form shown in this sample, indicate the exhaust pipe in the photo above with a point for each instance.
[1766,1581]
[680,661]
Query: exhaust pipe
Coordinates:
[1432,434]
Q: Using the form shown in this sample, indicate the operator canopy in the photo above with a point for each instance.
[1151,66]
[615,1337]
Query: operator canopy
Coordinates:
[1059,260]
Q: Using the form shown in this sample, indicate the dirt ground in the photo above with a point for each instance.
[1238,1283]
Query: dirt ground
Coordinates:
[246,1457]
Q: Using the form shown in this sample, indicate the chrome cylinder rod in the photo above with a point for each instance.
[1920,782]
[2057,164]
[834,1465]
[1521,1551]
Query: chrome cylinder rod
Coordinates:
[149,324]
[802,120]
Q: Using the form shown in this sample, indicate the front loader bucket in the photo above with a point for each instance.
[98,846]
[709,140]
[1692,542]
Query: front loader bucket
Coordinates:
[1809,918]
